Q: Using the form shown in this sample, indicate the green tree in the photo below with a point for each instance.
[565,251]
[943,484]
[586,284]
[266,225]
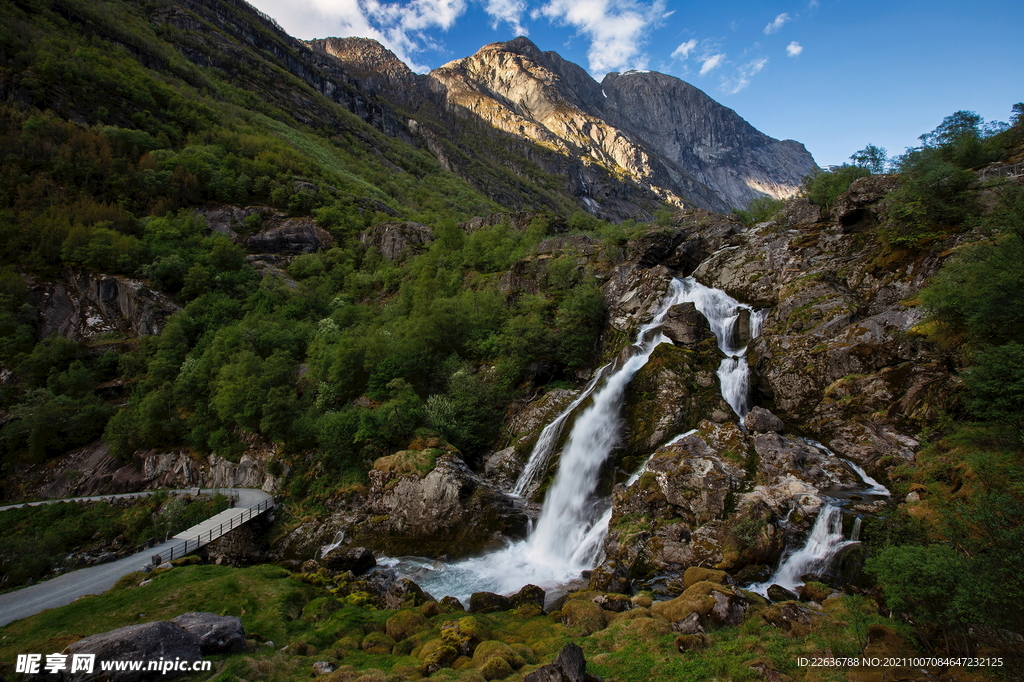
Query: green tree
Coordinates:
[823,187]
[875,159]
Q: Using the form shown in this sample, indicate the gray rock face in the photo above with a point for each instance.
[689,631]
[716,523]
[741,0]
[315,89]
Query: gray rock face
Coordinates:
[686,326]
[217,634]
[356,559]
[439,508]
[716,147]
[145,642]
[760,420]
[398,239]
[83,304]
[667,135]
[290,236]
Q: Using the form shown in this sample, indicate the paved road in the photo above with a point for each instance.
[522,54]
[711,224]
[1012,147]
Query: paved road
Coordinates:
[68,587]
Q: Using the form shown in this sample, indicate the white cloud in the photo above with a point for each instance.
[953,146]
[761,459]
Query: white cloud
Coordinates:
[508,11]
[812,4]
[710,62]
[732,85]
[776,24]
[684,50]
[794,49]
[617,29]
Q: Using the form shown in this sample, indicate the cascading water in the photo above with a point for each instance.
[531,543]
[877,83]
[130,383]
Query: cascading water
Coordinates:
[825,540]
[826,537]
[568,535]
[545,444]
[723,313]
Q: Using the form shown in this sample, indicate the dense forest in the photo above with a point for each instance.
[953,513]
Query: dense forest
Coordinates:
[117,146]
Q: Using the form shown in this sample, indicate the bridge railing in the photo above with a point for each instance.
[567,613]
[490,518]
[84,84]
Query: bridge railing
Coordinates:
[192,544]
[232,495]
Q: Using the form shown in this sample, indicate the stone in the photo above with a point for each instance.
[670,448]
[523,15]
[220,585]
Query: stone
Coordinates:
[613,602]
[777,593]
[488,602]
[686,325]
[686,643]
[356,559]
[290,236]
[815,591]
[760,420]
[323,668]
[397,239]
[715,605]
[583,614]
[404,624]
[428,502]
[572,663]
[695,574]
[144,642]
[529,594]
[217,634]
[451,605]
[689,625]
[404,593]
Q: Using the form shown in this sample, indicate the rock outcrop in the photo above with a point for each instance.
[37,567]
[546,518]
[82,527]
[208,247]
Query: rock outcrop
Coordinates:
[93,471]
[428,502]
[397,240]
[82,305]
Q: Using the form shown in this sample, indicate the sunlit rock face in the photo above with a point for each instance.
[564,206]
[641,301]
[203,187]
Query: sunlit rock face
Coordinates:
[654,130]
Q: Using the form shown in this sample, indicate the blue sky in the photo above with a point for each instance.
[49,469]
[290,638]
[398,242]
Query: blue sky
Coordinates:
[833,74]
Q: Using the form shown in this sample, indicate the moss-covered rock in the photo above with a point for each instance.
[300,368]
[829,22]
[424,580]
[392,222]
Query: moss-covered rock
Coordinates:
[377,643]
[404,624]
[583,614]
[815,591]
[451,605]
[714,604]
[690,642]
[696,574]
[496,669]
[488,602]
[491,649]
[435,655]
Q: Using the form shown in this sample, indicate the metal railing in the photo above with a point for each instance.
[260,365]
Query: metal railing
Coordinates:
[1013,170]
[189,546]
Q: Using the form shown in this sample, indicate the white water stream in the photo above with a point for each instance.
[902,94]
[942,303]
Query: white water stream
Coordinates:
[723,314]
[826,538]
[568,536]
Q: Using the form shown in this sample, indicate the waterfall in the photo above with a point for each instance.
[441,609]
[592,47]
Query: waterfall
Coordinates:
[825,540]
[724,315]
[568,535]
[826,537]
[545,444]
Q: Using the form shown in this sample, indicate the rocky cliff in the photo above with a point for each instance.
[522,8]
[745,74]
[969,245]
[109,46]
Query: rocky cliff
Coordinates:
[665,135]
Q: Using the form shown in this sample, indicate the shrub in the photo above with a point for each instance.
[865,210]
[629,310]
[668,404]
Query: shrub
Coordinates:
[824,186]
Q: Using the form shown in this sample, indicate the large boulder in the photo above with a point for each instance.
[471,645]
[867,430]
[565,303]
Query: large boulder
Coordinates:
[217,634]
[156,641]
[398,239]
[356,559]
[289,236]
[428,502]
[686,325]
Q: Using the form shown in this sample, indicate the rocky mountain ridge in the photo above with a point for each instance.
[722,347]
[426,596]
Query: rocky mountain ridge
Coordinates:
[668,136]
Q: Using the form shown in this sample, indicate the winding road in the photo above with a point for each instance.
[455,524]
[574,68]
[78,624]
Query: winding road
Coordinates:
[66,588]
